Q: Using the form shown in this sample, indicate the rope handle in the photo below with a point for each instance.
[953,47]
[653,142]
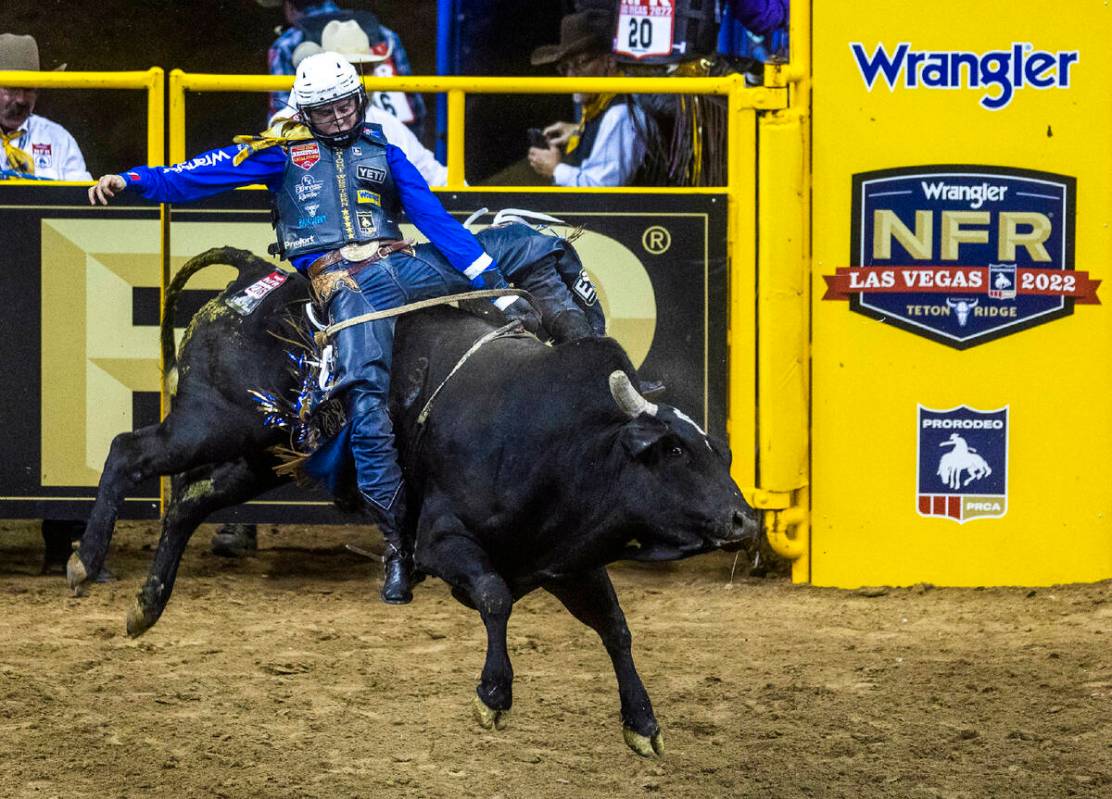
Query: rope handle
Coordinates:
[321,337]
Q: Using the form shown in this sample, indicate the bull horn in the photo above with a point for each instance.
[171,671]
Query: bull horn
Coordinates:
[623,392]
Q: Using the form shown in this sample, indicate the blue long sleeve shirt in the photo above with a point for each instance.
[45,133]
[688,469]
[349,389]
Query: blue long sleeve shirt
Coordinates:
[213,172]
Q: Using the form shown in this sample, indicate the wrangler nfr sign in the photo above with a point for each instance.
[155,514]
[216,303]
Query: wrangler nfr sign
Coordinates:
[961,193]
[82,291]
[962,255]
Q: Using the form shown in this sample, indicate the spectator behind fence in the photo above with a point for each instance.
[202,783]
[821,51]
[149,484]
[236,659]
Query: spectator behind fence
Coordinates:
[604,148]
[307,20]
[34,147]
[350,41]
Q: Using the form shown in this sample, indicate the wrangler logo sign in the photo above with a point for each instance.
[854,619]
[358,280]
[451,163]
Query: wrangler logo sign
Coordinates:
[998,74]
[962,254]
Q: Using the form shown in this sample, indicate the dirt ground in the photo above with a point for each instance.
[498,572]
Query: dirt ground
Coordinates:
[282,676]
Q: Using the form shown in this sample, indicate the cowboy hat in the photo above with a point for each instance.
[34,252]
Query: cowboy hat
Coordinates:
[349,40]
[303,51]
[587,31]
[20,52]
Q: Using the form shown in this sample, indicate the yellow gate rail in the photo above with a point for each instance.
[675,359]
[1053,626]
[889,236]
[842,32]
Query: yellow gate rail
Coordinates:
[151,80]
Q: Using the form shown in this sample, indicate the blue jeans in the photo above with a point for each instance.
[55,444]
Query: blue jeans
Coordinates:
[364,352]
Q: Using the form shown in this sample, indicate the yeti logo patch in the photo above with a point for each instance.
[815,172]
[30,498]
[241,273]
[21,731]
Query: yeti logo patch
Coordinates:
[371,174]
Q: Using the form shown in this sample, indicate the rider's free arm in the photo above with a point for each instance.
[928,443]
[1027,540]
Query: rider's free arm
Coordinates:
[208,174]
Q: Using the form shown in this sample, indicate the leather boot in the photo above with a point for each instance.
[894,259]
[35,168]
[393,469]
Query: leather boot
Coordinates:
[397,563]
[398,571]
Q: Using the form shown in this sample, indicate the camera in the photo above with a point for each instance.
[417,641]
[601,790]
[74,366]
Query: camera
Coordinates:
[538,139]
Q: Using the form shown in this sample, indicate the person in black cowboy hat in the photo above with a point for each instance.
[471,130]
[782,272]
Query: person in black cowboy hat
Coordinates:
[33,146]
[604,148]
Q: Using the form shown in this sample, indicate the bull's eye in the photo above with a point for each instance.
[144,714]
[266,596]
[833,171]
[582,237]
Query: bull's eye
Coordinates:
[675,451]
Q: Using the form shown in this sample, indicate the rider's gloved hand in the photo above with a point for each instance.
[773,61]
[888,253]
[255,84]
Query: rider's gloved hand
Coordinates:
[489,278]
[519,308]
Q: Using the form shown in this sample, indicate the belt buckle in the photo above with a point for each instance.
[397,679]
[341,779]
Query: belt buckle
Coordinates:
[359,252]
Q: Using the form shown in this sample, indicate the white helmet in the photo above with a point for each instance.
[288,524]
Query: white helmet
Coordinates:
[326,78]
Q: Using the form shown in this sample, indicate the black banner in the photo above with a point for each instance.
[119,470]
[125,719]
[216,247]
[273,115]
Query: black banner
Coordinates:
[81,289]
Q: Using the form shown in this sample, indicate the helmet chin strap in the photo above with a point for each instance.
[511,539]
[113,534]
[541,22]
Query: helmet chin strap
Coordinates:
[340,138]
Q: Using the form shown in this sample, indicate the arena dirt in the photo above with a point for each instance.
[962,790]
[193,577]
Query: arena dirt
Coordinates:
[282,676]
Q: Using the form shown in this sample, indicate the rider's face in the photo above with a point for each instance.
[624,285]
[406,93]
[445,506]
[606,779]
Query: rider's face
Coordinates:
[337,117]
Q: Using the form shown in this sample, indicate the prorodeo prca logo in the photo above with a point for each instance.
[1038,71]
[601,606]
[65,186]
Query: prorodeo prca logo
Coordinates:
[962,254]
[963,463]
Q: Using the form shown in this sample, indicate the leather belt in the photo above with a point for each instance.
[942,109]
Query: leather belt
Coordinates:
[351,253]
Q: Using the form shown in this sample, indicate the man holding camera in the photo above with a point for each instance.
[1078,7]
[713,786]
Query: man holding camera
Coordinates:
[604,149]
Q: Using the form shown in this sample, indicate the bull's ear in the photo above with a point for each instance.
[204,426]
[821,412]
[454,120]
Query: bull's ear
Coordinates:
[641,433]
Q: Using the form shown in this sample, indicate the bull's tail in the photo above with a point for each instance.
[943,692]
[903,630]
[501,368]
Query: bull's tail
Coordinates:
[229,256]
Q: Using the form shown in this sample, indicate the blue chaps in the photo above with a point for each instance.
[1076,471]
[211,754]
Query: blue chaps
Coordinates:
[364,352]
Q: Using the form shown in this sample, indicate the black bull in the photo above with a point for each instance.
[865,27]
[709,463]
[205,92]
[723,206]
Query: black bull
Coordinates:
[537,466]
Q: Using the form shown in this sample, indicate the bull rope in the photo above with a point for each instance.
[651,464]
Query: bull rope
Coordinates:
[514,328]
[323,336]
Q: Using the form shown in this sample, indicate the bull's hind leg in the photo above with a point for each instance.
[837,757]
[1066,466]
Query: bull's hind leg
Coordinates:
[446,549]
[194,496]
[590,598]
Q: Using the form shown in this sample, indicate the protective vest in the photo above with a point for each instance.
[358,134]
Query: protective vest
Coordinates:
[329,198]
[686,29]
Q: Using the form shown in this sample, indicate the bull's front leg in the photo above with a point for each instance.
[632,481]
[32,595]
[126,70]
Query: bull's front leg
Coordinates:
[133,457]
[445,549]
[590,598]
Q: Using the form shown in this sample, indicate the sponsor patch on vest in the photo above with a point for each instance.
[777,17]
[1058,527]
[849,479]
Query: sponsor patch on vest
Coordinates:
[306,155]
[585,289]
[371,174]
[962,255]
[311,221]
[43,154]
[365,197]
[248,300]
[304,241]
[963,463]
[366,222]
[308,188]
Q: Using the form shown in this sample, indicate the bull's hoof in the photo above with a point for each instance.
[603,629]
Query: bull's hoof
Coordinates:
[139,620]
[488,717]
[76,574]
[642,744]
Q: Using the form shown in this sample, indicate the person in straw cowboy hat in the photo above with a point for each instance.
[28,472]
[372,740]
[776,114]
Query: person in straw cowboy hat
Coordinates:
[307,20]
[33,146]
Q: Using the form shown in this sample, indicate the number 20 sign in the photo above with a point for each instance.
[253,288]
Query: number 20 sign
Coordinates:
[645,28]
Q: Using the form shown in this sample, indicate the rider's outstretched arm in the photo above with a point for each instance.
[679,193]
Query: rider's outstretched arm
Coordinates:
[207,174]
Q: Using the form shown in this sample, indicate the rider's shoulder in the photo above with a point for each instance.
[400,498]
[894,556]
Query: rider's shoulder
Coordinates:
[372,131]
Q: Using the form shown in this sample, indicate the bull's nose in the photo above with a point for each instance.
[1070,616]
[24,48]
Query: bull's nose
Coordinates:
[746,525]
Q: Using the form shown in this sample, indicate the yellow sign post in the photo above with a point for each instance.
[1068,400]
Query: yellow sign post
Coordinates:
[962,187]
